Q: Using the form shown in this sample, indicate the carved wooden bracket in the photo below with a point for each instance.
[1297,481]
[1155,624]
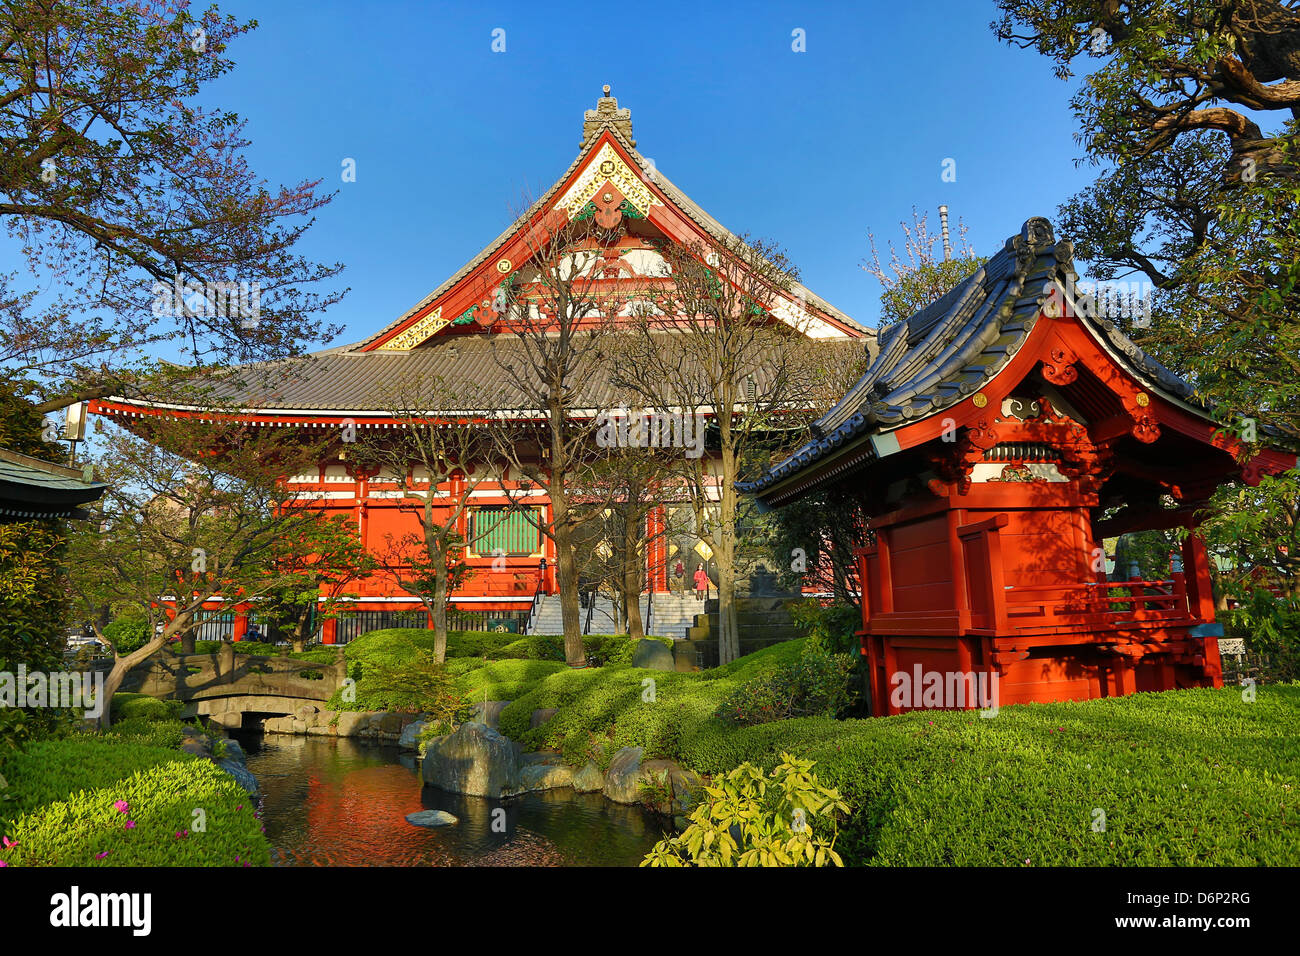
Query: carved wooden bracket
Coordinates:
[1061,370]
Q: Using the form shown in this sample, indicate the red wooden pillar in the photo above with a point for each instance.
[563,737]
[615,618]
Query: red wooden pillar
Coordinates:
[1196,568]
[329,632]
[657,551]
[241,622]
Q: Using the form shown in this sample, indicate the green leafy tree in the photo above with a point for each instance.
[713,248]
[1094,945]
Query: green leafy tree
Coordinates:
[184,533]
[313,569]
[1190,109]
[924,276]
[118,189]
[1255,533]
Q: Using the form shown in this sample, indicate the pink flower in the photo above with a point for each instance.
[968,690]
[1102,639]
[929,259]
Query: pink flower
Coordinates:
[3,863]
[100,856]
[9,844]
[121,806]
[130,824]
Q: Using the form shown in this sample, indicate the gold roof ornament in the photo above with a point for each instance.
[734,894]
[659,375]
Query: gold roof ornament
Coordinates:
[605,114]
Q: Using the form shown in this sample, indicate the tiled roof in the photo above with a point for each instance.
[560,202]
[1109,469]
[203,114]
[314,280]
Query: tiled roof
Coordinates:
[651,172]
[346,382]
[951,349]
[32,488]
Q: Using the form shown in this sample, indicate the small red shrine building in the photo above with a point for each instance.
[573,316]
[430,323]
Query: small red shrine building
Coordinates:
[453,335]
[998,437]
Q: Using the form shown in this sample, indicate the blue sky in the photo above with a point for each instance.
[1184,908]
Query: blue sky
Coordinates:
[810,149]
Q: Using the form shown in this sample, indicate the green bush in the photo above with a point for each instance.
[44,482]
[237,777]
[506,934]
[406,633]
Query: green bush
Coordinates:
[129,634]
[64,809]
[141,706]
[819,684]
[752,818]
[148,730]
[1189,777]
[1270,626]
[254,648]
[418,684]
[605,649]
[833,625]
[537,647]
[505,680]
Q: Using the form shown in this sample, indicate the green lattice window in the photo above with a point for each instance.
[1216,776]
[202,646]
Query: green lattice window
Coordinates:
[498,529]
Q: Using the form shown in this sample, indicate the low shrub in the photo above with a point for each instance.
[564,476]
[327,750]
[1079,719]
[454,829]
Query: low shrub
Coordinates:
[1188,777]
[537,647]
[129,634]
[819,684]
[833,625]
[419,684]
[1270,626]
[505,680]
[785,818]
[142,707]
[147,730]
[111,801]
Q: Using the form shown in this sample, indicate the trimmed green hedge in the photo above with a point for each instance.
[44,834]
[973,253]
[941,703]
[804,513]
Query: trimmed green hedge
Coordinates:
[1191,777]
[63,813]
[128,706]
[504,665]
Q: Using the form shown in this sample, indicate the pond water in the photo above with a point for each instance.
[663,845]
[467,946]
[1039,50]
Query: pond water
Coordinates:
[340,802]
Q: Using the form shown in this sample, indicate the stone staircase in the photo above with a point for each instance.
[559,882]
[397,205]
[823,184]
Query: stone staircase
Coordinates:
[674,615]
[763,621]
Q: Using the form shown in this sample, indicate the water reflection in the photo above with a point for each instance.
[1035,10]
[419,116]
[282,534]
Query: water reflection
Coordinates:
[340,802]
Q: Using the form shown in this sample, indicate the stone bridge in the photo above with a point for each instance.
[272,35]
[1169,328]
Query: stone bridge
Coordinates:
[225,686]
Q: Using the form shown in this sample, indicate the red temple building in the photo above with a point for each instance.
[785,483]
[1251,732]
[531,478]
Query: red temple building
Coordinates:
[998,437]
[452,334]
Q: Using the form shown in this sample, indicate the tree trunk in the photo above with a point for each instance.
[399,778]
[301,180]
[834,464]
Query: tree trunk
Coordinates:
[566,571]
[725,559]
[632,580]
[298,639]
[122,666]
[728,626]
[440,605]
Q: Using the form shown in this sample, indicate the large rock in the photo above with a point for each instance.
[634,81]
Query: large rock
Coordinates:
[431,818]
[623,778]
[541,716]
[652,655]
[410,739]
[545,776]
[490,715]
[393,723]
[589,779]
[475,760]
[278,725]
[684,784]
[352,723]
[234,751]
[240,773]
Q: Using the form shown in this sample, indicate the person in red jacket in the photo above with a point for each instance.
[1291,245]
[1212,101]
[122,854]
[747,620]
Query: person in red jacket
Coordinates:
[701,582]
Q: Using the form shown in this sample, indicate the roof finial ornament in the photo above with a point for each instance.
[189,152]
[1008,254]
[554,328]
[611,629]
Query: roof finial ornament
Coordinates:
[607,114]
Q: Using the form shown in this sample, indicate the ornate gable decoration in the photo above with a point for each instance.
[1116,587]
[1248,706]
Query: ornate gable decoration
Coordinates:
[417,333]
[605,114]
[607,167]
